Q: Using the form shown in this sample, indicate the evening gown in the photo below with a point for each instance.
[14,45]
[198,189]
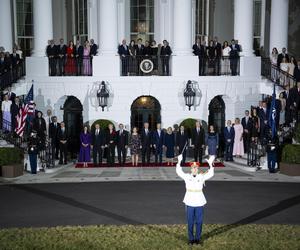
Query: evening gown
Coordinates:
[87,68]
[170,144]
[85,152]
[212,141]
[238,146]
[70,64]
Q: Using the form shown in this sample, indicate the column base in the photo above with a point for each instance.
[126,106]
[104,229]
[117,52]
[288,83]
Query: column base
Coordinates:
[250,66]
[106,65]
[185,66]
[37,66]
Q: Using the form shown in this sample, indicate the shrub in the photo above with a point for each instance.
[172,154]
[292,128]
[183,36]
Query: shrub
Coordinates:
[9,156]
[102,122]
[291,154]
[297,134]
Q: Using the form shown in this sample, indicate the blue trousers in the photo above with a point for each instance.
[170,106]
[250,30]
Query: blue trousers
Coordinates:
[33,162]
[272,159]
[194,217]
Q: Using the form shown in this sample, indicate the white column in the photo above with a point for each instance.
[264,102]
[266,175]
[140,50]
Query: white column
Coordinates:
[93,20]
[279,24]
[243,25]
[121,20]
[207,22]
[193,21]
[6,25]
[262,23]
[183,27]
[108,26]
[42,25]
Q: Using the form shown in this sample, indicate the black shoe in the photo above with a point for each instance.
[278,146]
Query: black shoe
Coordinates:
[191,242]
[197,242]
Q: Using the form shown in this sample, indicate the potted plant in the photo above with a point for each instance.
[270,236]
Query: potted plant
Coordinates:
[290,160]
[11,162]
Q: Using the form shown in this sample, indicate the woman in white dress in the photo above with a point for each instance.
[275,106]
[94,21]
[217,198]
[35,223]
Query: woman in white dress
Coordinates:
[292,64]
[284,67]
[225,64]
[273,59]
[6,115]
[238,146]
[282,111]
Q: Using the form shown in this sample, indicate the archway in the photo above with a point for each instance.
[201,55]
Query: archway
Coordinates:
[217,118]
[73,120]
[145,109]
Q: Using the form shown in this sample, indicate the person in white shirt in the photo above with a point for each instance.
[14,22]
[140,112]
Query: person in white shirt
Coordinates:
[48,120]
[6,115]
[194,198]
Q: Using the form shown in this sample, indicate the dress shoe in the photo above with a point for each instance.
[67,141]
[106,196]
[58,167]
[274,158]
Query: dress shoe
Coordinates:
[191,242]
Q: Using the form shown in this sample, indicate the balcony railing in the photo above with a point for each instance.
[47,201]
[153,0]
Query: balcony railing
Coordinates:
[275,74]
[219,66]
[145,65]
[12,75]
[70,66]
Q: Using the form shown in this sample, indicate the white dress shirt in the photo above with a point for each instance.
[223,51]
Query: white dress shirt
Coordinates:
[194,196]
[5,106]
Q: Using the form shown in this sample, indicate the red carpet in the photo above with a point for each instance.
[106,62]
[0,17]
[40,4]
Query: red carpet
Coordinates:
[104,165]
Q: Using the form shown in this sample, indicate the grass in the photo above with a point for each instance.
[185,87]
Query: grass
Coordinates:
[152,237]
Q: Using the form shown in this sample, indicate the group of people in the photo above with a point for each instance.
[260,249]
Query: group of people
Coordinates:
[133,54]
[287,64]
[9,64]
[217,59]
[72,59]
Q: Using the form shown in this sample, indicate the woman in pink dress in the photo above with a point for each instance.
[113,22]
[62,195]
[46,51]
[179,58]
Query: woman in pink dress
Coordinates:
[238,146]
[87,68]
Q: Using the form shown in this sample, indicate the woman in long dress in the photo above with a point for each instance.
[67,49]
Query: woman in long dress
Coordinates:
[212,141]
[238,146]
[132,58]
[169,144]
[255,127]
[135,146]
[225,65]
[6,115]
[87,68]
[273,59]
[284,66]
[282,111]
[70,68]
[85,147]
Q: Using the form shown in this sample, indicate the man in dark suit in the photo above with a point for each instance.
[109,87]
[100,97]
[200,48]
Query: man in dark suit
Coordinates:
[52,57]
[122,144]
[123,51]
[289,104]
[78,52]
[247,126]
[62,52]
[15,61]
[11,95]
[218,53]
[165,54]
[14,110]
[234,57]
[198,141]
[54,127]
[146,137]
[297,72]
[98,144]
[295,101]
[181,143]
[282,55]
[229,139]
[139,49]
[199,50]
[62,138]
[157,141]
[94,48]
[263,118]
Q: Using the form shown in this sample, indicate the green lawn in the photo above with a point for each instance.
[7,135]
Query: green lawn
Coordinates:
[152,237]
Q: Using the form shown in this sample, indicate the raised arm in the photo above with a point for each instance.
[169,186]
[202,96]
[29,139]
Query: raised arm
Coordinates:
[210,173]
[179,170]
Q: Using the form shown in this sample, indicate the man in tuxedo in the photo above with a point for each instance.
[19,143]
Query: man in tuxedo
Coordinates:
[247,126]
[295,101]
[54,127]
[62,137]
[123,51]
[199,50]
[218,53]
[198,141]
[62,52]
[98,144]
[94,48]
[297,71]
[234,57]
[78,52]
[181,143]
[139,49]
[51,52]
[15,61]
[157,142]
[48,120]
[229,139]
[282,55]
[14,110]
[165,54]
[146,138]
[122,144]
[289,104]
[11,95]
[263,118]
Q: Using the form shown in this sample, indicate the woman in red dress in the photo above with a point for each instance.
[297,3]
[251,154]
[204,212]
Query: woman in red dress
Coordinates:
[70,68]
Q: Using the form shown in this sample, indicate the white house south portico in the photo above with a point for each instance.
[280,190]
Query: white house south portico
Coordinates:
[108,21]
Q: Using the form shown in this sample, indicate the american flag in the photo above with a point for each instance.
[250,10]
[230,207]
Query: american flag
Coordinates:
[26,109]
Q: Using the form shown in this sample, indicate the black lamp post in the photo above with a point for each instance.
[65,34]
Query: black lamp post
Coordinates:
[189,94]
[102,95]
